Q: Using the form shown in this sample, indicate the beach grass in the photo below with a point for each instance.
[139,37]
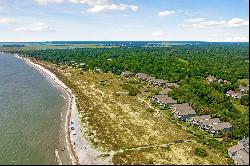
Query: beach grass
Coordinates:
[174,155]
[116,121]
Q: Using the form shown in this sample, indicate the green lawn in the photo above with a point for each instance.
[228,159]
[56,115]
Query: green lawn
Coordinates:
[241,108]
[243,81]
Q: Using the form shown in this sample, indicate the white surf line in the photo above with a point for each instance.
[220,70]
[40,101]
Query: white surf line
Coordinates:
[63,97]
[71,96]
[59,161]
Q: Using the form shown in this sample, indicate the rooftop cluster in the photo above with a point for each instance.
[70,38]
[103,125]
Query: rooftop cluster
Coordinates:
[239,92]
[240,153]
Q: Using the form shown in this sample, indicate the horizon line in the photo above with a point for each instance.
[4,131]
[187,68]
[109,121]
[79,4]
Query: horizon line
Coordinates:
[123,41]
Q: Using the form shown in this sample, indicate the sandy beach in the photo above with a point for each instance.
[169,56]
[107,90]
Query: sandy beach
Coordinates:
[79,149]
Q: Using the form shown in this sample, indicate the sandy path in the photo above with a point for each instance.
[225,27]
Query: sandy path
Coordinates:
[80,151]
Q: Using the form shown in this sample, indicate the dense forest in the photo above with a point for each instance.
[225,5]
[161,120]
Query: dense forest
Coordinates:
[188,65]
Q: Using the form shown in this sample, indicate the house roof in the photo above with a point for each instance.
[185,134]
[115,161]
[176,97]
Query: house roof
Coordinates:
[141,75]
[183,107]
[245,88]
[173,85]
[244,156]
[235,148]
[245,141]
[150,78]
[221,126]
[165,99]
[161,81]
[165,91]
[127,73]
[213,78]
[211,121]
[238,94]
[231,92]
[187,112]
[202,117]
[160,96]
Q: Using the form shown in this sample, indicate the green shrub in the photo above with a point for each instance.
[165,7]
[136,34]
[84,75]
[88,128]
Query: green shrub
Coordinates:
[201,152]
[244,100]
[150,110]
[132,90]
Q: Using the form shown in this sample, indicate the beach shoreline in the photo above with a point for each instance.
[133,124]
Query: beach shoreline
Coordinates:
[79,149]
[71,104]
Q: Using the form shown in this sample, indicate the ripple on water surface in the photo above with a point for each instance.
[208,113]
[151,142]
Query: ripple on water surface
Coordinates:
[30,115]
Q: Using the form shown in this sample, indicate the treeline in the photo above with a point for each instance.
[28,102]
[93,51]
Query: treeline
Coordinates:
[174,63]
[188,65]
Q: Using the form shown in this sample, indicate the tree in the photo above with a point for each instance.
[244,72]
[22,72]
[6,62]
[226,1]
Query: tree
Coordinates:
[244,100]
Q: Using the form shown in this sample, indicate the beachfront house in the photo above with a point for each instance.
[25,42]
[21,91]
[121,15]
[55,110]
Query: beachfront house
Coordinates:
[172,85]
[211,79]
[183,111]
[230,93]
[219,128]
[238,95]
[240,152]
[243,88]
[207,124]
[160,82]
[233,94]
[141,76]
[196,120]
[150,79]
[127,74]
[163,100]
[156,82]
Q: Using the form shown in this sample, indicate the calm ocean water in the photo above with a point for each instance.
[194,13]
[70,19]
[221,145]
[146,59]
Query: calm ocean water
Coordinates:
[30,115]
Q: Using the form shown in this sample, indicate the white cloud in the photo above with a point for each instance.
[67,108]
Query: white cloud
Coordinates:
[158,34]
[193,20]
[237,22]
[35,27]
[166,13]
[199,23]
[112,7]
[237,39]
[97,6]
[45,2]
[208,24]
[4,20]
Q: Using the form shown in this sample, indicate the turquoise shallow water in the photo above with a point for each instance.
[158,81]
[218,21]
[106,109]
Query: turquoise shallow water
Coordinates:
[30,115]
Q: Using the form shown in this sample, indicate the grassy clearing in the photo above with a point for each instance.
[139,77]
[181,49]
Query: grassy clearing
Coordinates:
[241,108]
[177,154]
[243,81]
[117,121]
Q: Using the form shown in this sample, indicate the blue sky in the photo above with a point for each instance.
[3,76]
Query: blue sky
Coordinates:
[170,20]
